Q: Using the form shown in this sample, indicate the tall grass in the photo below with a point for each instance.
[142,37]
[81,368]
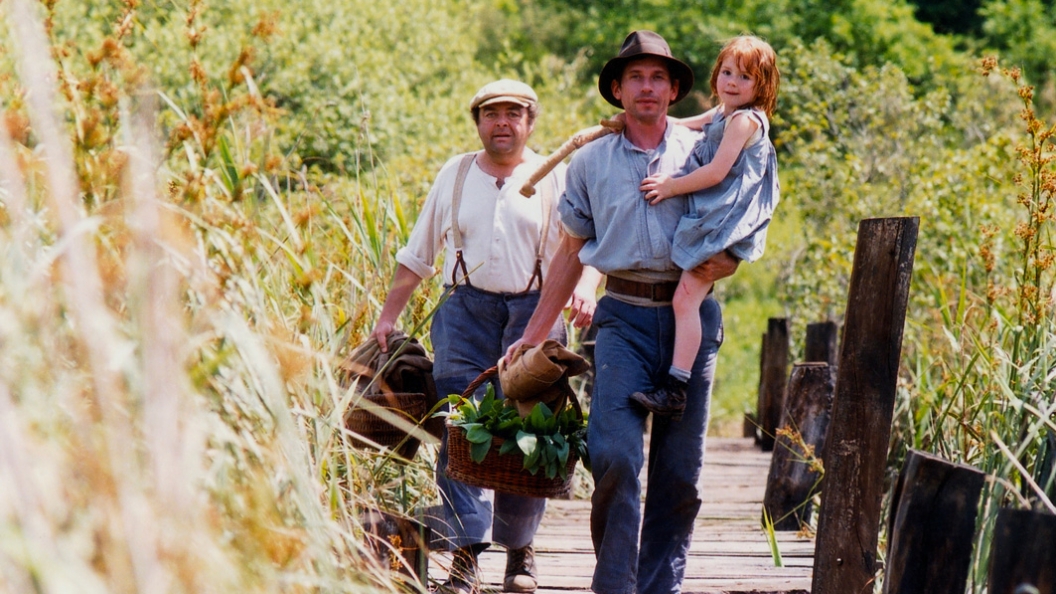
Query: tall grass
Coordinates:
[983,392]
[171,309]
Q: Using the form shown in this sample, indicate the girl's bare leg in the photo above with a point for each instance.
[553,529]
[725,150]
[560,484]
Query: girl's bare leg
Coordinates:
[669,398]
[692,289]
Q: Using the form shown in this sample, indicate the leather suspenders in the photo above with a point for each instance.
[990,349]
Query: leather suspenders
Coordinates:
[546,196]
[456,201]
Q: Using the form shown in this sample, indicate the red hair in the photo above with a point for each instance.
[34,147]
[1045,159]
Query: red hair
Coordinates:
[757,58]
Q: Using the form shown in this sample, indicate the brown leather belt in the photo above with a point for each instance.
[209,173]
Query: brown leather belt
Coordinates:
[662,291]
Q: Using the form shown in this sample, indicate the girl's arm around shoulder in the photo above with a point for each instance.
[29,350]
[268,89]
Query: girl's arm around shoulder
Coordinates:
[697,122]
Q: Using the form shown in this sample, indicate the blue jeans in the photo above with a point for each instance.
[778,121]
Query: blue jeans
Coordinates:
[633,353]
[470,333]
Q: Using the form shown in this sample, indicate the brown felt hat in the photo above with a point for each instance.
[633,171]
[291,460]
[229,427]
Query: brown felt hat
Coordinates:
[641,44]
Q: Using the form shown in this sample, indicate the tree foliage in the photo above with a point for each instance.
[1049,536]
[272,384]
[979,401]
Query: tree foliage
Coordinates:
[951,16]
[867,32]
[1023,32]
[859,144]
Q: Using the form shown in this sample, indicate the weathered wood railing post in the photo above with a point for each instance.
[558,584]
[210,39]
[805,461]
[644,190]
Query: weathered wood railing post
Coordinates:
[755,418]
[822,340]
[931,527]
[807,408]
[856,448]
[773,378]
[1023,553]
[751,419]
[792,480]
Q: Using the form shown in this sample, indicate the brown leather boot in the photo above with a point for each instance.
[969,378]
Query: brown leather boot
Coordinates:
[520,570]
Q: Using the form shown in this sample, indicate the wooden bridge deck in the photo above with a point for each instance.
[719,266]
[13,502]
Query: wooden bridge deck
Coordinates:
[729,554]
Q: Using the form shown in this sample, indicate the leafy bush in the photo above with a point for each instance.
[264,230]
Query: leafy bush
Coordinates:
[873,149]
[351,77]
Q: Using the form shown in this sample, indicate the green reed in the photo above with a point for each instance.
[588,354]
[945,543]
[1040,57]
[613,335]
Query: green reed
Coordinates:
[982,390]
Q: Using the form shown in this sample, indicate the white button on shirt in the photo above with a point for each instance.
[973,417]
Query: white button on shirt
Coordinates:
[501,229]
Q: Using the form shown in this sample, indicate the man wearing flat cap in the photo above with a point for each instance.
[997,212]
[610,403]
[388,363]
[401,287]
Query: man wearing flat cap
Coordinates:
[611,227]
[496,246]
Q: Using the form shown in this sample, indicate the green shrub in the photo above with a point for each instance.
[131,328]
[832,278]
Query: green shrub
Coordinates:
[873,149]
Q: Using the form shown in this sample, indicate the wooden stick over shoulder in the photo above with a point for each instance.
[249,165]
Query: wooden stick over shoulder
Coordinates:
[578,140]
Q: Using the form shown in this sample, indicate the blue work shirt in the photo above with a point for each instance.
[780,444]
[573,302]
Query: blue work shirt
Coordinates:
[604,205]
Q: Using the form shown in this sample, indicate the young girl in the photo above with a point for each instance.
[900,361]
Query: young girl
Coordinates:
[732,186]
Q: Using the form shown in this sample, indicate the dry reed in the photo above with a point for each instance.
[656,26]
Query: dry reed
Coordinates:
[169,419]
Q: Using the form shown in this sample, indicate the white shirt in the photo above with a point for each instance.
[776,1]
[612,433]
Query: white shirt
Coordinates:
[501,229]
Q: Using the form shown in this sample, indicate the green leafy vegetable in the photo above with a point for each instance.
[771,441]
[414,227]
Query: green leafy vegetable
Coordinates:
[544,438]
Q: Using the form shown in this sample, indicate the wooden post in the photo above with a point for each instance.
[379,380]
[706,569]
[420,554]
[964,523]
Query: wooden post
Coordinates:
[750,427]
[821,343]
[856,448]
[931,527]
[774,377]
[1023,553]
[792,480]
[760,402]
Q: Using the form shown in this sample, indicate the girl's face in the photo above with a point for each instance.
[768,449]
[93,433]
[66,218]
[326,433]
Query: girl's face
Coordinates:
[735,87]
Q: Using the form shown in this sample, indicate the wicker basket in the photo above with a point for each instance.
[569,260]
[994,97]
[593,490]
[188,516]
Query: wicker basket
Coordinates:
[501,472]
[368,425]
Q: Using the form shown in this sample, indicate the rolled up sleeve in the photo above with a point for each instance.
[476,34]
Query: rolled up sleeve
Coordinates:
[574,209]
[414,263]
[426,240]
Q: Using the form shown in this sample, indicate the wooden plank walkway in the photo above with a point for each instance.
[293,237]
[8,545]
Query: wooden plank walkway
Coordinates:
[729,554]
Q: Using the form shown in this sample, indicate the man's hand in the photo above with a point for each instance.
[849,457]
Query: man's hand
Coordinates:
[581,308]
[658,187]
[381,333]
[403,284]
[584,298]
[508,357]
[718,266]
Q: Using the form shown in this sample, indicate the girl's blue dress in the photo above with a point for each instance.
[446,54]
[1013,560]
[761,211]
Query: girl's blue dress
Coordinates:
[734,213]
